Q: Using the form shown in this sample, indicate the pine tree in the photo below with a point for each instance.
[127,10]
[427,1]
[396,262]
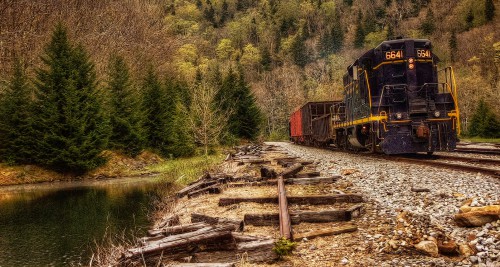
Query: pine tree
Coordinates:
[298,50]
[333,40]
[369,24]
[484,123]
[224,13]
[179,142]
[69,122]
[15,119]
[156,117]
[489,10]
[469,20]
[359,39]
[125,110]
[453,46]
[247,114]
[390,32]
[266,59]
[428,26]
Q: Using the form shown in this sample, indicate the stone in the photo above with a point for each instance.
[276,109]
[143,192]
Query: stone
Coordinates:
[344,261]
[473,259]
[478,216]
[447,247]
[465,250]
[428,247]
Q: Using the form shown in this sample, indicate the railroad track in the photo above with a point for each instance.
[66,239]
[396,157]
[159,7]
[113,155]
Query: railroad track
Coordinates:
[448,165]
[467,160]
[488,151]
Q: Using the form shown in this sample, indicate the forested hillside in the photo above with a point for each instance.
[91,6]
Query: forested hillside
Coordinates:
[289,51]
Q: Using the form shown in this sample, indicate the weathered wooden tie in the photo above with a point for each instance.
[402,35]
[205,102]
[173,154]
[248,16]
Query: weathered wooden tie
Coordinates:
[311,200]
[327,232]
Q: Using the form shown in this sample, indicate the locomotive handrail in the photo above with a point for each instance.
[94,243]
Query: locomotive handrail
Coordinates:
[448,71]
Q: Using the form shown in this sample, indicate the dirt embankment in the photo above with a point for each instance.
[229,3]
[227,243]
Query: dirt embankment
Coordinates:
[118,165]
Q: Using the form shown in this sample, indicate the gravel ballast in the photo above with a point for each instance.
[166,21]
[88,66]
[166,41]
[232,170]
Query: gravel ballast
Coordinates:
[388,185]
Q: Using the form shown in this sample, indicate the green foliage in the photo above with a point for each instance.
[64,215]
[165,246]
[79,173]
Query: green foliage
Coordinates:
[180,143]
[428,26]
[236,99]
[127,134]
[359,38]
[333,40]
[284,247]
[15,119]
[469,20]
[69,122]
[484,122]
[390,32]
[298,50]
[156,121]
[453,46]
[489,10]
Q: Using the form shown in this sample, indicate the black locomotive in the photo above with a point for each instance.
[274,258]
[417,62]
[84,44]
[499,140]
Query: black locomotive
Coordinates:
[393,103]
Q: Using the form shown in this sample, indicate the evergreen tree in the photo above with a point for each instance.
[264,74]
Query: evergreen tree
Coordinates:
[489,10]
[484,122]
[390,32]
[180,142]
[69,121]
[156,115]
[15,119]
[266,59]
[224,13]
[125,110]
[209,13]
[359,38]
[254,35]
[298,50]
[469,20]
[333,40]
[247,114]
[428,26]
[453,46]
[369,24]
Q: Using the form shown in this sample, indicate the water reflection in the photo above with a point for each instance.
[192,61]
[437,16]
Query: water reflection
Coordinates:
[55,227]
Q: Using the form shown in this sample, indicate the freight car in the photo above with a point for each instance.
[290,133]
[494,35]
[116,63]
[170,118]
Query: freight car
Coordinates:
[393,103]
[310,125]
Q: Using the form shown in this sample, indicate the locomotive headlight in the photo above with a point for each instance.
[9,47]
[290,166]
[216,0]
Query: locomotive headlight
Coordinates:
[399,115]
[411,60]
[411,66]
[437,113]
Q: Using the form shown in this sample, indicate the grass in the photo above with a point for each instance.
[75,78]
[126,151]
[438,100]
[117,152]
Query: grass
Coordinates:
[480,140]
[185,170]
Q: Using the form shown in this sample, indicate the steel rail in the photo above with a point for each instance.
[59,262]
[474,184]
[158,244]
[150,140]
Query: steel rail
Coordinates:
[285,221]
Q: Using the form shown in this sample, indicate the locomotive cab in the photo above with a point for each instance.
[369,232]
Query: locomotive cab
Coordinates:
[396,101]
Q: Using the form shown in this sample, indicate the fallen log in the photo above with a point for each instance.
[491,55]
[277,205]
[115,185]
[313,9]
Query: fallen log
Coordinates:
[312,181]
[194,187]
[204,176]
[307,175]
[297,217]
[327,232]
[291,171]
[238,237]
[311,200]
[178,229]
[306,162]
[256,161]
[216,237]
[201,218]
[210,190]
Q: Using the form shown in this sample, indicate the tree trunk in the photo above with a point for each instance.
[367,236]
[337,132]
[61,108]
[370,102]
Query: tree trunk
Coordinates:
[194,187]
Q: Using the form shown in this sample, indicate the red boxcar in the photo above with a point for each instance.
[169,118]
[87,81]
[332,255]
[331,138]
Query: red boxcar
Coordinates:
[305,121]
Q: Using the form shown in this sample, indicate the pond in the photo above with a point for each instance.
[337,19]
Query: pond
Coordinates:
[57,224]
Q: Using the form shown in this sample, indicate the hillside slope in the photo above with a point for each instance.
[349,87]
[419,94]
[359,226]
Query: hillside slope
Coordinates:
[291,51]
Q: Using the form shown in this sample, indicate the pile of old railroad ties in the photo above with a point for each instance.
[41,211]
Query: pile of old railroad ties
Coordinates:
[215,240]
